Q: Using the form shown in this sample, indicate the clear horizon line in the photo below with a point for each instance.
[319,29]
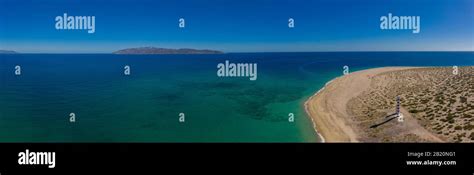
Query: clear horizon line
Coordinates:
[247,52]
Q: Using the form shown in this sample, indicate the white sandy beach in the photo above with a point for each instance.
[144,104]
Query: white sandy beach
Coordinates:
[328,107]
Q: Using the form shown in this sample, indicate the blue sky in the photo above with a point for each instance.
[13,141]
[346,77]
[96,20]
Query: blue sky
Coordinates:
[237,26]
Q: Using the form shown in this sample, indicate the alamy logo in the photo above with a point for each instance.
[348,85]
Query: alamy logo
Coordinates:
[37,158]
[66,22]
[228,69]
[391,22]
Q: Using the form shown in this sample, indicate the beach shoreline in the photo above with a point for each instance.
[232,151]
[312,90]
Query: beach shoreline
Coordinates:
[327,107]
[435,102]
[306,108]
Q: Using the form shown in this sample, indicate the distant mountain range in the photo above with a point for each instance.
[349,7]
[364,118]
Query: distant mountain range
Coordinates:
[7,52]
[155,50]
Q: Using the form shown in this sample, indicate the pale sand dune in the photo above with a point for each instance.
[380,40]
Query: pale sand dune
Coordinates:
[328,108]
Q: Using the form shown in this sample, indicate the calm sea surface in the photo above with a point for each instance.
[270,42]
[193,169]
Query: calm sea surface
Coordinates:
[145,106]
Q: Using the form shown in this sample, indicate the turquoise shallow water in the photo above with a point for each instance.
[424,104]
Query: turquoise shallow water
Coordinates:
[144,106]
